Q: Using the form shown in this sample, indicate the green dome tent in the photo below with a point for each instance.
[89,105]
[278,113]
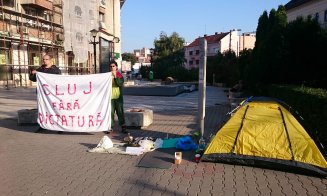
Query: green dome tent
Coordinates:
[263,133]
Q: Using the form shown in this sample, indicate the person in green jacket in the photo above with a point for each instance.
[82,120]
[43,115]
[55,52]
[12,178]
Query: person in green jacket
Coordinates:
[117,102]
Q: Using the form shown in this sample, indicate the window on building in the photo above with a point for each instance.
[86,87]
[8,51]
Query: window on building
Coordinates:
[317,16]
[78,11]
[79,37]
[7,3]
[101,17]
[190,62]
[325,18]
[190,52]
[6,72]
[197,52]
[197,62]
[92,15]
[103,2]
[47,16]
[31,11]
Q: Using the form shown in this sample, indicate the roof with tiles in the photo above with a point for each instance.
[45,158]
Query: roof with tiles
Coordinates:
[295,3]
[210,39]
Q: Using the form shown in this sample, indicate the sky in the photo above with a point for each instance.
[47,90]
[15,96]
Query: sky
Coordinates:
[142,21]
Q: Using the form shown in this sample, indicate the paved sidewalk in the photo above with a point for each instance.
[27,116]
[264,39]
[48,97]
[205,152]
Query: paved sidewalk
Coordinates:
[58,164]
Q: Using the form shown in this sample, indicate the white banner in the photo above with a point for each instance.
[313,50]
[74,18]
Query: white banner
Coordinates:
[74,103]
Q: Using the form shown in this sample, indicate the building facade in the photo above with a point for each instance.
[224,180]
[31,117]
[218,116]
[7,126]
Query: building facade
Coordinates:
[28,29]
[218,43]
[61,28]
[316,9]
[143,56]
[92,32]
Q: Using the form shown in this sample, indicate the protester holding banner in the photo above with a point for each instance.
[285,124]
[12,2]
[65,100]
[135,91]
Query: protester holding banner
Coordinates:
[46,67]
[117,97]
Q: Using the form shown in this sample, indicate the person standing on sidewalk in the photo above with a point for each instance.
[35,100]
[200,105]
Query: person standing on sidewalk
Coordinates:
[46,67]
[117,102]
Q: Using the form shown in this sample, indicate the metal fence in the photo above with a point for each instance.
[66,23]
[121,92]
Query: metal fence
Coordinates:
[12,76]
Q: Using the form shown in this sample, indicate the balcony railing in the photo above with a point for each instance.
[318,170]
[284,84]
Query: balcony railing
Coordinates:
[43,4]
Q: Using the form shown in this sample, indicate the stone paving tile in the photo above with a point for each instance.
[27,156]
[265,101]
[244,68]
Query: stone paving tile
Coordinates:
[51,164]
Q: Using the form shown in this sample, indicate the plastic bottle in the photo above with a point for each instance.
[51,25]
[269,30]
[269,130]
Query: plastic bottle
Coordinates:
[202,145]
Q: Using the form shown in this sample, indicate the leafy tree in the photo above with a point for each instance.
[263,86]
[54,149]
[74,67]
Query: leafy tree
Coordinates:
[269,50]
[169,55]
[306,54]
[244,62]
[286,53]
[129,57]
[144,71]
[225,67]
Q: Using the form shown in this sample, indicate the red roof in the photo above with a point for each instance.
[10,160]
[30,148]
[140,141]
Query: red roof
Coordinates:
[210,39]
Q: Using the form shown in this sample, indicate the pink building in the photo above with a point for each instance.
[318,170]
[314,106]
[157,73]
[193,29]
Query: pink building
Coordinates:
[218,43]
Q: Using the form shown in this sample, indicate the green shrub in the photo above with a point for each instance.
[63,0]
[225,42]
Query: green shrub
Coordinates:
[311,104]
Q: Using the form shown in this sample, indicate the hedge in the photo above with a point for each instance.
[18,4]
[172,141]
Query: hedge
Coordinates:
[310,103]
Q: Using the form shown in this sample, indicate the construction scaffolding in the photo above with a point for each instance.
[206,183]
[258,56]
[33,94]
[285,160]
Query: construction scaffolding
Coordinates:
[28,30]
[31,28]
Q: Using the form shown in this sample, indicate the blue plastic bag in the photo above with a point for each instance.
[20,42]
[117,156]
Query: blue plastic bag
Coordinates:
[186,143]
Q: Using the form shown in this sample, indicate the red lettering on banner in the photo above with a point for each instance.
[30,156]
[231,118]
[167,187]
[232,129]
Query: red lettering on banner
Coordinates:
[99,121]
[80,125]
[66,106]
[58,93]
[91,121]
[90,90]
[69,106]
[58,118]
[61,105]
[46,118]
[50,119]
[69,89]
[44,86]
[64,120]
[40,117]
[76,104]
[72,118]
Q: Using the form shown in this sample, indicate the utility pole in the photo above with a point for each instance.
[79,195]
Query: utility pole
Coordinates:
[202,83]
[230,40]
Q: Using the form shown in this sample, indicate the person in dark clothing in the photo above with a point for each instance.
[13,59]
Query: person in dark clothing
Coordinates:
[117,97]
[46,67]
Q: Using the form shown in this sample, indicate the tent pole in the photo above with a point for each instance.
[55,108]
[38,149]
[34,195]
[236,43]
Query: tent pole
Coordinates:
[286,130]
[239,130]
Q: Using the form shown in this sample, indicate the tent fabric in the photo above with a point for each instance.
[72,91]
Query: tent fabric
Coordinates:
[264,132]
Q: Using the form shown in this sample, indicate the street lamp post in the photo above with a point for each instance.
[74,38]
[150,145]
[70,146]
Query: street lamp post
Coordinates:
[94,33]
[151,59]
[151,77]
